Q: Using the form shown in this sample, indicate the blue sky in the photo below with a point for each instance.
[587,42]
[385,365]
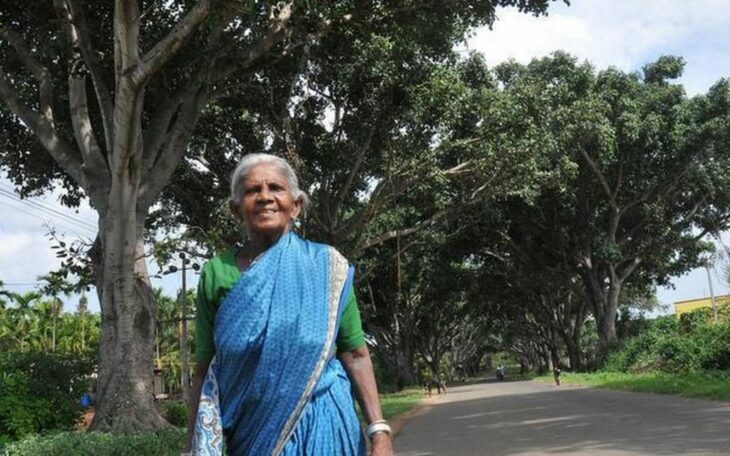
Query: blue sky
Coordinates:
[623,33]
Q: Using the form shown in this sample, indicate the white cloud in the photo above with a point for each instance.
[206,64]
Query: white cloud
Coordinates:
[25,248]
[623,33]
[23,257]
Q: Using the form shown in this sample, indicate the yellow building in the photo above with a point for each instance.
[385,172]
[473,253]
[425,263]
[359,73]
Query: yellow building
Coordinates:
[689,305]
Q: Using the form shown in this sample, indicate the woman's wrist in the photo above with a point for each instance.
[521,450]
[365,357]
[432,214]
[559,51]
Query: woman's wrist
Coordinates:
[378,427]
[380,437]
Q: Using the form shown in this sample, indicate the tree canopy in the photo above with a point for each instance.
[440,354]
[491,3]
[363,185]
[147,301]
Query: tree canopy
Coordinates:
[120,95]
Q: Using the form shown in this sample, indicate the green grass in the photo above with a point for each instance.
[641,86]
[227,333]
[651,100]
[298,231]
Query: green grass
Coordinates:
[707,385]
[166,442]
[397,403]
[394,404]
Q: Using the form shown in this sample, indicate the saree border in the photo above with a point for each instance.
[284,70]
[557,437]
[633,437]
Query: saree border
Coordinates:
[338,271]
[208,429]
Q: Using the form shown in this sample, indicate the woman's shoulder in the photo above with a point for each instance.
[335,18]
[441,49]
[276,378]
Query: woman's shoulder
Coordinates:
[223,260]
[319,248]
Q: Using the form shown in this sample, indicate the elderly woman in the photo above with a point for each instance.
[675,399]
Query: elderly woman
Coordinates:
[280,346]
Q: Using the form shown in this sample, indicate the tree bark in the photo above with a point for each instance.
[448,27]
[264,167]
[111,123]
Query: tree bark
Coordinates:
[126,351]
[607,321]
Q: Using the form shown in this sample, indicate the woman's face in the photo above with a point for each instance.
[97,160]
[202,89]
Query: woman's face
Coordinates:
[267,206]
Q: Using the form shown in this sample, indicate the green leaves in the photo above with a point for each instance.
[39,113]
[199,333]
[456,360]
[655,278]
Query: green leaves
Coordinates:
[41,391]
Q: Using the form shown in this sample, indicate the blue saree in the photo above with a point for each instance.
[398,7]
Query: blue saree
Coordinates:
[274,386]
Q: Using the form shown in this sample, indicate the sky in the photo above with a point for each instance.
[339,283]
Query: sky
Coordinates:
[626,34]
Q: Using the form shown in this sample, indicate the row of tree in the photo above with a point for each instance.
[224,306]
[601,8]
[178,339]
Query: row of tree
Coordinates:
[597,187]
[486,207]
[28,322]
[120,95]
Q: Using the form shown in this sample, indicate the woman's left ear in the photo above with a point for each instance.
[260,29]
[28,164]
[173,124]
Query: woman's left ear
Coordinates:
[297,209]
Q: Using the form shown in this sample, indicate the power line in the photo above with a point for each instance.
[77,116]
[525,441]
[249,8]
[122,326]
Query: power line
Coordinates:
[72,229]
[49,212]
[10,192]
[55,215]
[48,209]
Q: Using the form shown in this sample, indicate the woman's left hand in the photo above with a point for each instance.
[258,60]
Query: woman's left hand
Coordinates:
[382,445]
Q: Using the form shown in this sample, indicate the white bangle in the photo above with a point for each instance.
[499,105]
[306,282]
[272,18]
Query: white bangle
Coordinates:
[377,426]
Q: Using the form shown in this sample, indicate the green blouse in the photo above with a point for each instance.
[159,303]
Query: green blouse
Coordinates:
[219,275]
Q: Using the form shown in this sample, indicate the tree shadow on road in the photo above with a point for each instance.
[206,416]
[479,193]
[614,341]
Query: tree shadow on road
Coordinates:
[570,421]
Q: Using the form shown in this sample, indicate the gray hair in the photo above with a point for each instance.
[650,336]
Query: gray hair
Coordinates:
[249,161]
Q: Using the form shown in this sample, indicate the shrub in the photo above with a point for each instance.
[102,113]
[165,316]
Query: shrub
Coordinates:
[691,344]
[176,413]
[677,354]
[166,442]
[715,340]
[40,392]
[689,322]
[627,356]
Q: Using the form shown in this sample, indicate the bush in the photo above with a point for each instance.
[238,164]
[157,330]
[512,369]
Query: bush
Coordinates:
[176,413]
[691,344]
[167,442]
[715,340]
[689,322]
[40,392]
[677,354]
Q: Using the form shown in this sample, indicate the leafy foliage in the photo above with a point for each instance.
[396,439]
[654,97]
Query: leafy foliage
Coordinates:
[41,391]
[691,344]
[176,413]
[165,442]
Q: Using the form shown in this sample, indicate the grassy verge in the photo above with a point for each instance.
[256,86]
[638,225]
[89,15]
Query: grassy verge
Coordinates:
[707,385]
[163,443]
[397,403]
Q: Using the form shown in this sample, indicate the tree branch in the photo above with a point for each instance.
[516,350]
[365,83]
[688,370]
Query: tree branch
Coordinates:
[626,271]
[673,180]
[163,168]
[41,73]
[601,178]
[126,39]
[166,48]
[93,158]
[46,133]
[71,12]
[276,33]
[158,129]
[40,123]
[364,148]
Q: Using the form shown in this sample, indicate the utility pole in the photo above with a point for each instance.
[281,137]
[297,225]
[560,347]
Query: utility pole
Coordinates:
[184,346]
[712,293]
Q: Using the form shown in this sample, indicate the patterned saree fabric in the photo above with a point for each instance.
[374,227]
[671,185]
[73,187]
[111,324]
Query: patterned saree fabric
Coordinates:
[274,386]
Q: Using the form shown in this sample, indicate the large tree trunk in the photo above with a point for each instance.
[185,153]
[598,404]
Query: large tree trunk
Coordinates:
[606,322]
[405,375]
[574,353]
[124,386]
[604,300]
[128,308]
[572,339]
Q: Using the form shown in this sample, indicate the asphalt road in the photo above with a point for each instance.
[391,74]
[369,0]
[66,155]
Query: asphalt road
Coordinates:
[532,418]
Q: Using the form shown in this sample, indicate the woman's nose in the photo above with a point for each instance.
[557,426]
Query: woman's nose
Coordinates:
[264,194]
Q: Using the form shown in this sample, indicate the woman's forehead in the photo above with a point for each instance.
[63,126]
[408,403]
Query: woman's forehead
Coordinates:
[265,172]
